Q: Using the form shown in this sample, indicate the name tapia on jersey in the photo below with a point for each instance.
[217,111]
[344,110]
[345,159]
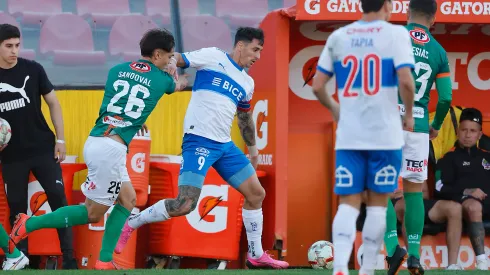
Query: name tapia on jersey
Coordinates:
[220,89]
[365,57]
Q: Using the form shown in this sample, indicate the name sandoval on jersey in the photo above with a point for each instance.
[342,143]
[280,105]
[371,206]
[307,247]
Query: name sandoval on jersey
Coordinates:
[136,77]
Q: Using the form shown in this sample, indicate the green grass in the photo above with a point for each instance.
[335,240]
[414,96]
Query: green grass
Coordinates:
[216,272]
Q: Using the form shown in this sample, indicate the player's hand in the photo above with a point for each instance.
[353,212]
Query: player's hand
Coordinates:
[60,152]
[254,156]
[408,123]
[397,194]
[172,69]
[476,193]
[3,147]
[254,160]
[143,130]
[181,84]
[433,133]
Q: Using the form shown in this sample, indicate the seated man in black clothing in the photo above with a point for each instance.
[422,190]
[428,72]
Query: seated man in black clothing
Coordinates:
[465,177]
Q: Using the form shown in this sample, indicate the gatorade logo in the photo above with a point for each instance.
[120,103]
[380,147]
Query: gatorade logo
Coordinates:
[312,6]
[419,36]
[138,162]
[211,213]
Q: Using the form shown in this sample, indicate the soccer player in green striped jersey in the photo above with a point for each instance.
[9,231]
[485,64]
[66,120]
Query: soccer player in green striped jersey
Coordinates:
[431,66]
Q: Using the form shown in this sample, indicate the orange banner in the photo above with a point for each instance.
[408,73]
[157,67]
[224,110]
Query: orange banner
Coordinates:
[433,252]
[349,10]
[469,62]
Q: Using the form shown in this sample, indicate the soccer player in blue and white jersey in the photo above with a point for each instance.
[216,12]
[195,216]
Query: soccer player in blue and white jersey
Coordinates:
[222,88]
[372,60]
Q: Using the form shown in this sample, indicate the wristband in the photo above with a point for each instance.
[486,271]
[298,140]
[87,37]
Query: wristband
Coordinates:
[253,151]
[60,141]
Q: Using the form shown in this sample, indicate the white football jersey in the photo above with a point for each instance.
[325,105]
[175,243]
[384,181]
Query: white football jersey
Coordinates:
[365,57]
[220,88]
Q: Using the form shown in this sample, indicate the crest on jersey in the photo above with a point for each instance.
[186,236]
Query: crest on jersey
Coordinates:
[419,36]
[140,67]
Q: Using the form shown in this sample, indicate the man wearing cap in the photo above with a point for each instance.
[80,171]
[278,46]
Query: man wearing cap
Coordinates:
[463,175]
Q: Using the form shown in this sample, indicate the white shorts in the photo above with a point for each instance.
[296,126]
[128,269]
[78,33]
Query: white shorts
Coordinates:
[415,157]
[106,163]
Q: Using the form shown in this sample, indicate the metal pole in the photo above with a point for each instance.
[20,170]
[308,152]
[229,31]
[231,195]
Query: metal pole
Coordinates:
[175,15]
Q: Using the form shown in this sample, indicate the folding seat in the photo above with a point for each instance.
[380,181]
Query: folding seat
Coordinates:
[103,12]
[126,34]
[242,13]
[161,9]
[34,12]
[202,31]
[67,39]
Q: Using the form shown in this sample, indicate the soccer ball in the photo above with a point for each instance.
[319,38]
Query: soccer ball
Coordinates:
[320,255]
[5,132]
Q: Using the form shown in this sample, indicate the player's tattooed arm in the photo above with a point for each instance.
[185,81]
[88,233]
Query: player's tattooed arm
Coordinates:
[185,202]
[247,127]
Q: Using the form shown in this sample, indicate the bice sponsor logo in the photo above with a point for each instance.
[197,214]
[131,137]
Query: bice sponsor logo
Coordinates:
[419,36]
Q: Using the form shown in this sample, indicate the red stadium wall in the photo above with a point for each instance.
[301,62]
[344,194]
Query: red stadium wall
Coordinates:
[299,132]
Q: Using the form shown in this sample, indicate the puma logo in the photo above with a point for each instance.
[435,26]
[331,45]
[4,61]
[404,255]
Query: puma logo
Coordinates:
[5,87]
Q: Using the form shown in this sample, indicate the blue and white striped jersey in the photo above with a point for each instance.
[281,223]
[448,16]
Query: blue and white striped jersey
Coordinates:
[220,88]
[365,57]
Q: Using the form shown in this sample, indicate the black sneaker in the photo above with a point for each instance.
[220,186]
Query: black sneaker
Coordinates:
[70,263]
[414,266]
[395,262]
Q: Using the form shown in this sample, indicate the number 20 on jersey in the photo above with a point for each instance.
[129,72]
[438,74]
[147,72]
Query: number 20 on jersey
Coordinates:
[369,68]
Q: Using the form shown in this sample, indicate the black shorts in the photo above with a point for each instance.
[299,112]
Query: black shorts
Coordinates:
[428,205]
[485,207]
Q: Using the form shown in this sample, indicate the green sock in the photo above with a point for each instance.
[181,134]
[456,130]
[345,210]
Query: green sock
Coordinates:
[414,222]
[113,229]
[4,244]
[391,234]
[63,217]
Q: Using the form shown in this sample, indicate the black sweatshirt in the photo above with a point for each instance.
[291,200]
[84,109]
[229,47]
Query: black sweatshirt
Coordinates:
[461,169]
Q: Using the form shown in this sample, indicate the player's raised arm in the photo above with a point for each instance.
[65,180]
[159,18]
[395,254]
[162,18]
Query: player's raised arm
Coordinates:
[324,72]
[445,95]
[404,64]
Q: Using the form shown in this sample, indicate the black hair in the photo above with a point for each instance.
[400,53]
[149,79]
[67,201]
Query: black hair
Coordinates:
[426,8]
[471,114]
[8,31]
[248,34]
[372,5]
[155,39]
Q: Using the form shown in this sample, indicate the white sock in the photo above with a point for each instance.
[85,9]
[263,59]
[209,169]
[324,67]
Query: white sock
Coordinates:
[343,235]
[372,237]
[154,213]
[253,221]
[481,257]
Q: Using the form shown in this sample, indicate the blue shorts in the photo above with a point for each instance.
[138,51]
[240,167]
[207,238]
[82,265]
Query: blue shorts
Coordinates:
[200,153]
[359,170]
